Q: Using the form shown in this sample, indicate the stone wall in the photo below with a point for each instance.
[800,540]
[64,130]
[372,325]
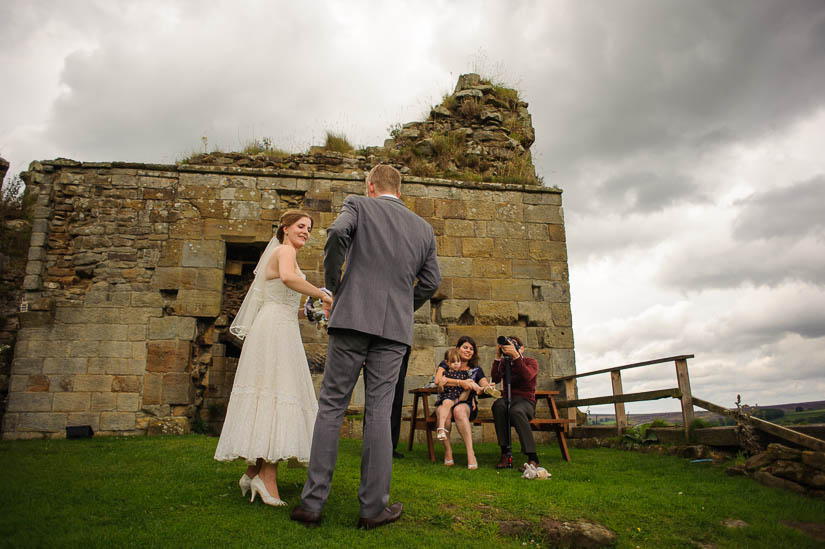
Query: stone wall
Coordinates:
[128,265]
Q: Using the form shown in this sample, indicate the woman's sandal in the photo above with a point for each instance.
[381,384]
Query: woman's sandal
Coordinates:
[472,465]
[441,433]
[449,462]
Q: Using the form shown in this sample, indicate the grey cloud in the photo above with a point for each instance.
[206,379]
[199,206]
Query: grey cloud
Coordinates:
[704,266]
[646,192]
[790,212]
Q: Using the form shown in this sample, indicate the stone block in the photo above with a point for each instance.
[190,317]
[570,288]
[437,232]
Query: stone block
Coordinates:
[454,267]
[561,314]
[551,197]
[126,384]
[17,384]
[423,315]
[448,246]
[128,402]
[29,402]
[139,351]
[535,313]
[65,365]
[44,422]
[460,227]
[511,290]
[422,362]
[177,389]
[429,335]
[510,248]
[255,230]
[50,349]
[543,213]
[186,328]
[115,349]
[477,247]
[497,312]
[451,310]
[483,335]
[450,209]
[27,365]
[552,292]
[471,288]
[92,419]
[163,328]
[106,299]
[168,356]
[117,421]
[152,389]
[139,315]
[109,332]
[34,319]
[83,315]
[32,283]
[480,210]
[557,338]
[34,383]
[147,299]
[91,382]
[492,268]
[445,291]
[509,212]
[198,303]
[548,251]
[506,229]
[71,402]
[58,383]
[554,232]
[103,402]
[204,254]
[137,332]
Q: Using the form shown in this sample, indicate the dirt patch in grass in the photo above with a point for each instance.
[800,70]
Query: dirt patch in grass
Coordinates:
[815,530]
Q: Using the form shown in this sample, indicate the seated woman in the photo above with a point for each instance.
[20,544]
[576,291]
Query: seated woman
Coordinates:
[462,413]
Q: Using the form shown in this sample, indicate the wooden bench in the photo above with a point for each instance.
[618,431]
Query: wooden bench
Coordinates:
[427,420]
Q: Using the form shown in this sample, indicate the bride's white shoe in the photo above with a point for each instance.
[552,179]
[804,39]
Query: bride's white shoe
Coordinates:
[244,484]
[259,488]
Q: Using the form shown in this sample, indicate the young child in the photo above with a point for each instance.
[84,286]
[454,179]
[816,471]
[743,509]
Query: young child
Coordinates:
[451,394]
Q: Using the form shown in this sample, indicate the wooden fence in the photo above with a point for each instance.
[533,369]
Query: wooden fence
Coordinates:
[618,398]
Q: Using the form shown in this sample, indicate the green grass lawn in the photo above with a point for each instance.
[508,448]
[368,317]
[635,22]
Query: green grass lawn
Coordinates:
[168,491]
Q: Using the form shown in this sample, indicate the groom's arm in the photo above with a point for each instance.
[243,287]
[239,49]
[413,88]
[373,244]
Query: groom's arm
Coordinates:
[429,277]
[339,237]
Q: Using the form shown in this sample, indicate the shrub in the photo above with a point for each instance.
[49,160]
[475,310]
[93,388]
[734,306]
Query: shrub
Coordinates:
[338,142]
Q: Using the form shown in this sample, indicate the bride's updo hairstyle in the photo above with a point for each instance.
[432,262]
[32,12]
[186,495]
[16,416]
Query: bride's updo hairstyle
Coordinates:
[289,218]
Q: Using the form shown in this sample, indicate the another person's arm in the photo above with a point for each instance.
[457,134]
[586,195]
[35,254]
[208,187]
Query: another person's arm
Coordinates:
[339,237]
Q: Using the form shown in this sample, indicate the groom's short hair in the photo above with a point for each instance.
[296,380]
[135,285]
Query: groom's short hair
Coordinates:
[385,178]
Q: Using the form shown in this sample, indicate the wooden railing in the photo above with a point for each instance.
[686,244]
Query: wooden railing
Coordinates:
[682,392]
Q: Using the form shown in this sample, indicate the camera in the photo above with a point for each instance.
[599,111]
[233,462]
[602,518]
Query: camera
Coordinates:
[507,341]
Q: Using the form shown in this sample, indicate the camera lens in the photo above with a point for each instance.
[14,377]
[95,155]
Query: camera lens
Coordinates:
[503,340]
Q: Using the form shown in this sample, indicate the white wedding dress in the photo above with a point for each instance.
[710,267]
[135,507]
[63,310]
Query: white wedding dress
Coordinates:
[272,407]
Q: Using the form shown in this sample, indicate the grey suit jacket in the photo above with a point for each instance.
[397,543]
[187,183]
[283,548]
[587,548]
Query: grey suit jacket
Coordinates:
[386,248]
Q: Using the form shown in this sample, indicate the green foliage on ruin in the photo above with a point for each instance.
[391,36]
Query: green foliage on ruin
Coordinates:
[338,142]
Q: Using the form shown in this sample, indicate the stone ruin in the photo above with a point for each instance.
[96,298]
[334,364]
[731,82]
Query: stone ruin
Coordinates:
[135,270]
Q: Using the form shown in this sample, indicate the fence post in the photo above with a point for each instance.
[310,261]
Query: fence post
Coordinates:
[570,394]
[687,399]
[621,417]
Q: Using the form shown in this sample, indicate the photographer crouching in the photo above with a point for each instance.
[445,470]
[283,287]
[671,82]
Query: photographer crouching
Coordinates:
[522,404]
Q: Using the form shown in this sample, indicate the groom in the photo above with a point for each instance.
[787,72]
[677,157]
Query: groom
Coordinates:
[386,248]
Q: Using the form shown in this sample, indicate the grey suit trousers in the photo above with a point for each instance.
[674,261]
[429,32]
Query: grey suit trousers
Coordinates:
[346,352]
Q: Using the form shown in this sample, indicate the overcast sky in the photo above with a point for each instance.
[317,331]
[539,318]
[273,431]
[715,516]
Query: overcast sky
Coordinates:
[688,137]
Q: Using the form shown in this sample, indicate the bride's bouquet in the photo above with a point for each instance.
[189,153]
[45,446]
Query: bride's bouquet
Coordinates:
[314,311]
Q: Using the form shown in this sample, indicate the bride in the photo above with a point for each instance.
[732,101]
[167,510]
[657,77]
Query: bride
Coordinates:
[272,406]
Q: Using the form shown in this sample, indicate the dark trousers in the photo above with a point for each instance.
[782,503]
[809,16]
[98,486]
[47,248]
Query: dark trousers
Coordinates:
[398,401]
[521,412]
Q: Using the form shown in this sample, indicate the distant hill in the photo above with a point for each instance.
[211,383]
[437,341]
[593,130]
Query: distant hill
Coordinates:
[792,412]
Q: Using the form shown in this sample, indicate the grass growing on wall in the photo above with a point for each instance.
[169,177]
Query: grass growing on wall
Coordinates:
[168,491]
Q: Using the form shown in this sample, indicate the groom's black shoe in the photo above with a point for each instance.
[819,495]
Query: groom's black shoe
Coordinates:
[397,455]
[307,518]
[388,515]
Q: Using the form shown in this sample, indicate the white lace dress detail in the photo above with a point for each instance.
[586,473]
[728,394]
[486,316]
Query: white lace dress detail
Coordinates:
[272,408]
